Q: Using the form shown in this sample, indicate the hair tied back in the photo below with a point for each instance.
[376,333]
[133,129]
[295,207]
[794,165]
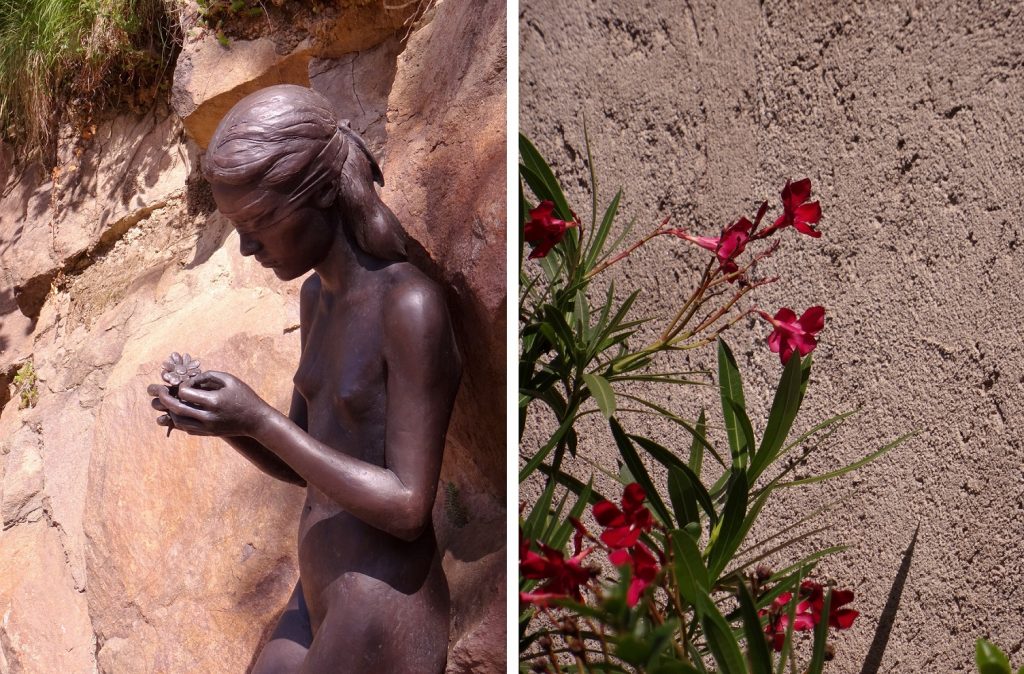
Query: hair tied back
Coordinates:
[345,127]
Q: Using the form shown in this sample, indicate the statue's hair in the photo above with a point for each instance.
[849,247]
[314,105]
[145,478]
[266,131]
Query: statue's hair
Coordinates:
[287,139]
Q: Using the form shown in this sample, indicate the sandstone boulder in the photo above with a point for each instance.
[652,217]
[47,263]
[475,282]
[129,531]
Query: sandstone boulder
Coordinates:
[44,622]
[185,536]
[209,78]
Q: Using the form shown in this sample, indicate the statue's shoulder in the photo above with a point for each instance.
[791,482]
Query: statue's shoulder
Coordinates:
[310,290]
[414,298]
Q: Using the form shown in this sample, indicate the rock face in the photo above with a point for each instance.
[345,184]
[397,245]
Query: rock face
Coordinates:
[123,550]
[907,121]
[446,121]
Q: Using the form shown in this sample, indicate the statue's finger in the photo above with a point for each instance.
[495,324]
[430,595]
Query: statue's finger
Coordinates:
[197,396]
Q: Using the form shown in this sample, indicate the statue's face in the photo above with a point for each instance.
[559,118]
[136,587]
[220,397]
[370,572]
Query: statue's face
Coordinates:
[291,241]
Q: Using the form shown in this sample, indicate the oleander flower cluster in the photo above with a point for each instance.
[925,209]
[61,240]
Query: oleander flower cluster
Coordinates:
[544,230]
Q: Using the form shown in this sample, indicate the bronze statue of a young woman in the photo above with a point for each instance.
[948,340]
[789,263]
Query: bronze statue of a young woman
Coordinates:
[374,390]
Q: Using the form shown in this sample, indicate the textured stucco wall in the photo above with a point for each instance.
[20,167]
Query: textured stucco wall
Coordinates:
[907,118]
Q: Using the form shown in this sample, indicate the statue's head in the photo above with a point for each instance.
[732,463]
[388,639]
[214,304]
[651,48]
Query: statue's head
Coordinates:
[282,159]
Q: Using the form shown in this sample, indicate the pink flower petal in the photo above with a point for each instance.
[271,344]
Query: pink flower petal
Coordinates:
[813,320]
[809,213]
[608,515]
[843,618]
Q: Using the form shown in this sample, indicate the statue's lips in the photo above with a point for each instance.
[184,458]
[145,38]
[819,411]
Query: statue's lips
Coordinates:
[269,264]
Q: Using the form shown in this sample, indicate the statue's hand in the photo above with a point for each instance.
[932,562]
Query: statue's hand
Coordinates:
[213,403]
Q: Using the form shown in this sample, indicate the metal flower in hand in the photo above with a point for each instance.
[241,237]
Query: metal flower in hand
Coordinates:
[177,369]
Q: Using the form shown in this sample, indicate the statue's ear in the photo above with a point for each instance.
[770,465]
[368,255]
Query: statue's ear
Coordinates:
[328,195]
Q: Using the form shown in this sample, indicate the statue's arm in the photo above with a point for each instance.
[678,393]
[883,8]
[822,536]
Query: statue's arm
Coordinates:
[263,458]
[423,372]
[252,449]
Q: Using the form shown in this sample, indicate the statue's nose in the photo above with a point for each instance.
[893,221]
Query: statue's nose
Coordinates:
[248,245]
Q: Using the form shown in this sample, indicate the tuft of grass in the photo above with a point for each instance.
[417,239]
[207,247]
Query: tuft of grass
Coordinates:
[65,61]
[26,383]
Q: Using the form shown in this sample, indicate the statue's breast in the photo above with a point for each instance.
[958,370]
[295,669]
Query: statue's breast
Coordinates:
[341,376]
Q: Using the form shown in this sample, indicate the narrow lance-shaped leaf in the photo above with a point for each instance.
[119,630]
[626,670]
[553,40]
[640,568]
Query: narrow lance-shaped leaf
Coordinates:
[790,615]
[731,390]
[730,526]
[757,649]
[673,463]
[746,436]
[682,497]
[852,466]
[820,637]
[594,255]
[780,419]
[538,458]
[541,179]
[565,529]
[690,573]
[536,521]
[602,392]
[697,444]
[720,638]
[632,461]
[581,316]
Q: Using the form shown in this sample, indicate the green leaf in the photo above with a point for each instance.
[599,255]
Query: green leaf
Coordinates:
[636,467]
[780,419]
[791,615]
[747,442]
[821,637]
[690,573]
[526,471]
[673,463]
[560,537]
[682,497]
[541,179]
[990,659]
[698,436]
[600,238]
[602,392]
[807,563]
[720,638]
[697,445]
[574,485]
[731,390]
[757,648]
[536,521]
[581,315]
[727,535]
[853,466]
[824,425]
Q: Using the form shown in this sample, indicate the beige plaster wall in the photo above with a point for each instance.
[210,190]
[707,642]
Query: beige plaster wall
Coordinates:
[907,118]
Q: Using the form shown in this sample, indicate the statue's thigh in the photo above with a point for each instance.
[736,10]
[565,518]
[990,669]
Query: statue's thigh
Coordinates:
[286,650]
[371,627]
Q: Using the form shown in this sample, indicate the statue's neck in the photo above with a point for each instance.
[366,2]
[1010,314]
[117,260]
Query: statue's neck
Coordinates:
[347,265]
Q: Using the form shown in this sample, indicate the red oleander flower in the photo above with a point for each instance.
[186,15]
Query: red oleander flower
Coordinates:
[726,247]
[838,617]
[778,619]
[794,334]
[808,612]
[544,230]
[795,210]
[623,527]
[644,567]
[564,576]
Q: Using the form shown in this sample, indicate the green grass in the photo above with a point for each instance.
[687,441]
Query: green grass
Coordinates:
[65,61]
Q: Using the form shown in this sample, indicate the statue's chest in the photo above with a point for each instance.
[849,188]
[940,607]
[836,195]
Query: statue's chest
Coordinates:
[341,373]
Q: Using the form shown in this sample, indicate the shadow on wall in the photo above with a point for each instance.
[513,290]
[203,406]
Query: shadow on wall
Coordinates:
[873,661]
